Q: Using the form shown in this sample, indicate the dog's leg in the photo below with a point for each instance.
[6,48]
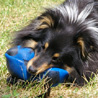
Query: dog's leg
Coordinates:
[74,76]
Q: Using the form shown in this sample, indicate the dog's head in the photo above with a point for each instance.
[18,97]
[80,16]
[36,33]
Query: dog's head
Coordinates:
[67,35]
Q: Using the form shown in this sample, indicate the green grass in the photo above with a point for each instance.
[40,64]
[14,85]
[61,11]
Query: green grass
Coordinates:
[14,14]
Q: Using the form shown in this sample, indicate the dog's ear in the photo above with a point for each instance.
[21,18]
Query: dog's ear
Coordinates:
[82,46]
[86,44]
[45,21]
[36,31]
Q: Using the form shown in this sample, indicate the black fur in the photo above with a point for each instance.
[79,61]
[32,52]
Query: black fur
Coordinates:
[75,38]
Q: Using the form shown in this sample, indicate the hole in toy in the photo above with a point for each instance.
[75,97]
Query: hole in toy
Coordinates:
[12,51]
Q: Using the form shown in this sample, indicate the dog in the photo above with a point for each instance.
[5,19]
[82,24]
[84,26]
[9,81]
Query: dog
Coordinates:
[65,36]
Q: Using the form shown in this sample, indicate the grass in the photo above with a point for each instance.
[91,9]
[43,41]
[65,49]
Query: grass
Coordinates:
[14,14]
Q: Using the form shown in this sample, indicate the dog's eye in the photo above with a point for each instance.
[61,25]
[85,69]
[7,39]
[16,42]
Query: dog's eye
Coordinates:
[43,47]
[55,57]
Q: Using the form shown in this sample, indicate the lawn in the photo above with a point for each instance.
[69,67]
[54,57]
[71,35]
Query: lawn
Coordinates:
[14,14]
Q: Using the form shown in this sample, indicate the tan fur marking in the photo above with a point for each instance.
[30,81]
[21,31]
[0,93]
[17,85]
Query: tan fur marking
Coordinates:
[56,55]
[46,45]
[31,44]
[43,26]
[46,19]
[81,43]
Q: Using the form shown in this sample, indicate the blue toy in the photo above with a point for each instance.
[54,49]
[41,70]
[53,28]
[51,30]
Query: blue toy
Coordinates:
[17,59]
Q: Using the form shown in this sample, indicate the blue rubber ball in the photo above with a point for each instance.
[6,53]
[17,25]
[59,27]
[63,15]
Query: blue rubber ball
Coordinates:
[17,59]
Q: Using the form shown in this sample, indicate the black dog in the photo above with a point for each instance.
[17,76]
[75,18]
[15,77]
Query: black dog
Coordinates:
[66,36]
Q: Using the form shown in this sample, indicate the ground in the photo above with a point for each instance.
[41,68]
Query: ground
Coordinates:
[14,14]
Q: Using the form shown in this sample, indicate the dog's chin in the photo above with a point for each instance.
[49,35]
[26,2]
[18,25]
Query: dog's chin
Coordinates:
[43,68]
[39,72]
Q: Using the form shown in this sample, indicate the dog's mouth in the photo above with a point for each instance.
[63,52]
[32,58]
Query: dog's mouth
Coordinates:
[37,70]
[43,68]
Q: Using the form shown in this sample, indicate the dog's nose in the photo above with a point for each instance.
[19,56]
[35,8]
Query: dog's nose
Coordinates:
[32,70]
